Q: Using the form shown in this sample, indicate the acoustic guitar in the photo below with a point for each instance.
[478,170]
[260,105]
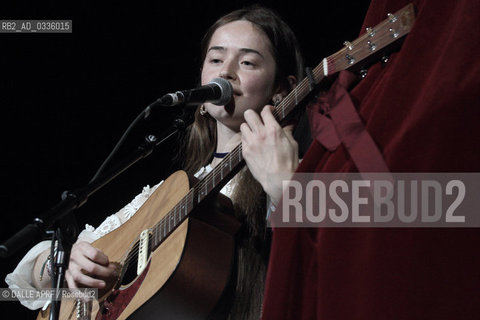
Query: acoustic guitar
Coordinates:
[176,255]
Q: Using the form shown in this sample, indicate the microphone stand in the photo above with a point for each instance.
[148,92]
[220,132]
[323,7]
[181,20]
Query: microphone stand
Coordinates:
[61,218]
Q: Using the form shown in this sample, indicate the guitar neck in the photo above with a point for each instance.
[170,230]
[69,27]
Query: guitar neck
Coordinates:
[354,53]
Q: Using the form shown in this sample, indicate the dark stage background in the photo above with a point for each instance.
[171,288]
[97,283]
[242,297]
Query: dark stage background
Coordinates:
[65,99]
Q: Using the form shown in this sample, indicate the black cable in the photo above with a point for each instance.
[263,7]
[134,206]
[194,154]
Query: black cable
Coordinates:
[144,114]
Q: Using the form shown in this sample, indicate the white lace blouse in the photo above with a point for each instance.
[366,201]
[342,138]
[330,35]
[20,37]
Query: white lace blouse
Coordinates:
[21,277]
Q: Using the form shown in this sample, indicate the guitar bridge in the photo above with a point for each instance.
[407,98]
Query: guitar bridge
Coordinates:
[143,251]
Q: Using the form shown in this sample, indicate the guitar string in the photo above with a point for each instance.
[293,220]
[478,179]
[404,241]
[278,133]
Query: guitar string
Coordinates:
[167,219]
[381,34]
[286,104]
[133,251]
[288,100]
[203,184]
[135,247]
[210,178]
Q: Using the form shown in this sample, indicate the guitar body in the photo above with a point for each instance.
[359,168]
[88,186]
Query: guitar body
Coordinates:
[185,276]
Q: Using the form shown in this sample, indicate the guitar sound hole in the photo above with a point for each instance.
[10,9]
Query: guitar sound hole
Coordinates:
[131,269]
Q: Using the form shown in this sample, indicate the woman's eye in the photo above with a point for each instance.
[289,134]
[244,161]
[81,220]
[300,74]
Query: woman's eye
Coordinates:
[215,61]
[248,63]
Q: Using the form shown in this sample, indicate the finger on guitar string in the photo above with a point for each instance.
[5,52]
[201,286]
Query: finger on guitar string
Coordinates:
[268,118]
[253,120]
[89,251]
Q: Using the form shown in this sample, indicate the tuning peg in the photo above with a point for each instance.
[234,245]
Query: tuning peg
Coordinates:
[348,45]
[394,32]
[392,17]
[372,45]
[370,31]
[350,59]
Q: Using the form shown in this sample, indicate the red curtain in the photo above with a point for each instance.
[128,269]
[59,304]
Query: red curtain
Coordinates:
[422,110]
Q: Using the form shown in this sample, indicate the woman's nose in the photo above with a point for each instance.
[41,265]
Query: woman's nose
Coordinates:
[228,72]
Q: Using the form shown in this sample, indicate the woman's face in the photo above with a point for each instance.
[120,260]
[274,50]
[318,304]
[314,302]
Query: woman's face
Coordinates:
[240,53]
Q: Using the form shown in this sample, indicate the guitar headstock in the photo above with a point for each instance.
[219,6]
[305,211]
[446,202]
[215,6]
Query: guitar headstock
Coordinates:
[355,55]
[373,41]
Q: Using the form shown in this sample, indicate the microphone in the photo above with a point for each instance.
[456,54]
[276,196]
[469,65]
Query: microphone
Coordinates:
[218,91]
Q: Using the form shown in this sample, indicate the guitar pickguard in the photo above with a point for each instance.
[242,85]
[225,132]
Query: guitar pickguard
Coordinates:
[119,299]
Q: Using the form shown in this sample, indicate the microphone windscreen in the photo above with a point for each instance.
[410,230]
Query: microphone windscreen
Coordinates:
[226,91]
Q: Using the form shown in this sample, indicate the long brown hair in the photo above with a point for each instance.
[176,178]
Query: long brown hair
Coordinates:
[248,196]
